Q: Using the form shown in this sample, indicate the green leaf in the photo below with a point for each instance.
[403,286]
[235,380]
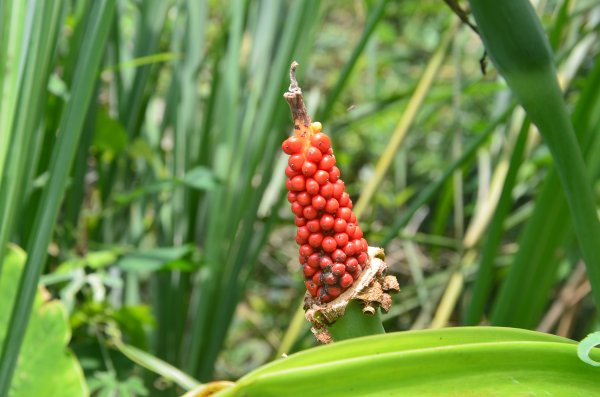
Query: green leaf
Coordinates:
[586,346]
[45,366]
[468,361]
[110,134]
[201,178]
[151,260]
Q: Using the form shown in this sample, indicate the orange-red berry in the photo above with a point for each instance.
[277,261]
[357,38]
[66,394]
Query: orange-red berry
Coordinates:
[309,168]
[321,141]
[344,200]
[322,177]
[327,221]
[315,239]
[319,202]
[329,244]
[327,162]
[332,206]
[310,212]
[345,281]
[334,174]
[339,225]
[299,221]
[314,154]
[344,213]
[327,190]
[341,239]
[351,264]
[290,172]
[313,225]
[338,269]
[325,262]
[298,183]
[292,145]
[312,186]
[295,162]
[338,256]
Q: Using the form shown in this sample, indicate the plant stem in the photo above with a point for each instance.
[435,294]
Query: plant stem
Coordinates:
[354,323]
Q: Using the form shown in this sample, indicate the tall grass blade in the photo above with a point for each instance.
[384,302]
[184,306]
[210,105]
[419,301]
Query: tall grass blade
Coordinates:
[69,132]
[516,42]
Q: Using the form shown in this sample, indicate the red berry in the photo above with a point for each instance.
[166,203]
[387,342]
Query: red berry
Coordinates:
[309,168]
[341,239]
[311,288]
[344,200]
[316,278]
[334,292]
[325,297]
[322,177]
[319,202]
[297,208]
[365,245]
[298,183]
[310,212]
[303,198]
[327,163]
[290,172]
[305,250]
[303,232]
[353,217]
[358,233]
[291,197]
[302,259]
[314,154]
[339,225]
[288,184]
[330,279]
[295,162]
[345,281]
[329,244]
[327,190]
[299,221]
[312,186]
[344,213]
[292,145]
[351,229]
[334,174]
[321,141]
[362,258]
[338,256]
[325,262]
[308,271]
[327,222]
[332,206]
[313,225]
[351,264]
[338,269]
[315,239]
[338,189]
[349,249]
[314,260]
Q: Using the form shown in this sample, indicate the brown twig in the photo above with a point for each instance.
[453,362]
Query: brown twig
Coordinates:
[294,98]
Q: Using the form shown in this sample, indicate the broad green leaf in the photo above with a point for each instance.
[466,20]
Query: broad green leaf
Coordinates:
[45,366]
[110,134]
[151,260]
[469,361]
[200,178]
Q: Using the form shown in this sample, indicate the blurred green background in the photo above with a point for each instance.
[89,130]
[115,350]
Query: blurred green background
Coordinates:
[142,173]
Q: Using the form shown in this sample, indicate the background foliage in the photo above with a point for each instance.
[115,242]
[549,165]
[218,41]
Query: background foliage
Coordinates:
[141,172]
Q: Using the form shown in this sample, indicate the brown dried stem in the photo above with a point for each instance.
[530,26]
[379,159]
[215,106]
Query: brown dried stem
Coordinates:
[294,98]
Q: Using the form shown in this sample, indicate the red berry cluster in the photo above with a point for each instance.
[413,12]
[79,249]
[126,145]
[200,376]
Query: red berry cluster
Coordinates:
[332,248]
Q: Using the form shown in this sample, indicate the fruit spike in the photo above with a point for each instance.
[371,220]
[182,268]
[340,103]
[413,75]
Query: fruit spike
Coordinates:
[332,250]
